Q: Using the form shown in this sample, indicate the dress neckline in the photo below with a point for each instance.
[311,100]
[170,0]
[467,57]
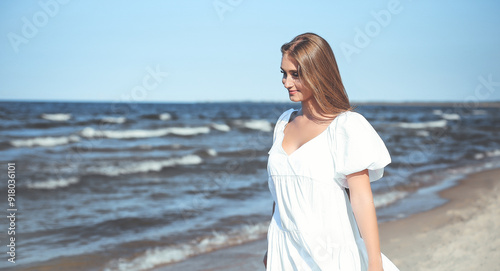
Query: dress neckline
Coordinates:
[307,142]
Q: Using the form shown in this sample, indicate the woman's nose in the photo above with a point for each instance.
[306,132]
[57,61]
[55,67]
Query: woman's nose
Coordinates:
[288,82]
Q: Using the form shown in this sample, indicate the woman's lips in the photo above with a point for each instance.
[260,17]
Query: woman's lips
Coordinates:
[291,92]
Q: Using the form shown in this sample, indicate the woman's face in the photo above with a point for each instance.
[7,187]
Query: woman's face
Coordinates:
[296,90]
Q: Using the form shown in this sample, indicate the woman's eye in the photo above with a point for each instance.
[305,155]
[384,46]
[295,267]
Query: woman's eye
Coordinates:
[295,74]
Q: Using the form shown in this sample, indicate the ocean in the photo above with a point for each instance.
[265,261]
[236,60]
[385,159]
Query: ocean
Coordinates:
[116,186]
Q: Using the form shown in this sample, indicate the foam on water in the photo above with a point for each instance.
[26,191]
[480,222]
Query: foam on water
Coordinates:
[423,133]
[423,125]
[113,119]
[144,166]
[175,253]
[53,183]
[48,141]
[387,198]
[211,152]
[452,116]
[446,116]
[56,117]
[90,132]
[221,127]
[262,125]
[165,116]
[483,155]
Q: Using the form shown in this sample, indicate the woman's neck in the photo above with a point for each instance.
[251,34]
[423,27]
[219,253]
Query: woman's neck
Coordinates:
[311,110]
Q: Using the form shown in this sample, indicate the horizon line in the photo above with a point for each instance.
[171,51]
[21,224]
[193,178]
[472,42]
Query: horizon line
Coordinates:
[415,102]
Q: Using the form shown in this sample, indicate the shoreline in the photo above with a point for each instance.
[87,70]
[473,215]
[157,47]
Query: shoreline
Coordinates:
[461,234]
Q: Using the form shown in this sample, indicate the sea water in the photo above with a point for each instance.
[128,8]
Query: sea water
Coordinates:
[133,186]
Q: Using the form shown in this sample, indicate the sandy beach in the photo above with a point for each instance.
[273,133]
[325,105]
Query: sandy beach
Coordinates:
[459,235]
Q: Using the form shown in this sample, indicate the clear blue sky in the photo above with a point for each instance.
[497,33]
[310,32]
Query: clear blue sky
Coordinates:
[228,50]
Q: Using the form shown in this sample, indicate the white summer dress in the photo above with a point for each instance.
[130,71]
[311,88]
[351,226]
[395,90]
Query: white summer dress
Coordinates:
[313,226]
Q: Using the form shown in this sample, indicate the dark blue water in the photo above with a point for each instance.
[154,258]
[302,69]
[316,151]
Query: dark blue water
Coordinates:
[131,186]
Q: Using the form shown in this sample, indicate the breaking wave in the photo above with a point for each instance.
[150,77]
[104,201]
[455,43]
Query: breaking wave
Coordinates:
[144,166]
[387,198]
[220,127]
[262,125]
[114,119]
[423,125]
[56,116]
[175,253]
[165,116]
[487,154]
[53,183]
[48,141]
[90,132]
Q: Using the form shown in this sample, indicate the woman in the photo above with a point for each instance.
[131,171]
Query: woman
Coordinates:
[318,152]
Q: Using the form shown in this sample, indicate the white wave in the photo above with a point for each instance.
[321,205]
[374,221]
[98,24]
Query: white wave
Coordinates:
[48,141]
[437,112]
[388,198]
[90,132]
[423,125]
[446,116]
[165,116]
[423,133]
[53,183]
[56,117]
[209,152]
[479,112]
[262,125]
[113,119]
[493,153]
[220,127]
[188,131]
[144,166]
[165,255]
[479,156]
[452,116]
[212,152]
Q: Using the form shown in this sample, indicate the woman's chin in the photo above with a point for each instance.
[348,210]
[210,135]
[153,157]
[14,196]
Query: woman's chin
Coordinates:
[294,98]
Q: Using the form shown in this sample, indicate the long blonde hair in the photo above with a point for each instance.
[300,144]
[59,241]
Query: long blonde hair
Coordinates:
[319,72]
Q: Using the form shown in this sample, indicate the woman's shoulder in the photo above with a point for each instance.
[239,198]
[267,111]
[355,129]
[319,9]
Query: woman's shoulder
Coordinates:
[286,115]
[350,123]
[350,117]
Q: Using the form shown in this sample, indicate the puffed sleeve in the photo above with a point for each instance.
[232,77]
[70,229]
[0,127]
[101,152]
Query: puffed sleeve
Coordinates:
[356,147]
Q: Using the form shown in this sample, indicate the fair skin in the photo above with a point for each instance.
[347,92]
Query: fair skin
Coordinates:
[302,129]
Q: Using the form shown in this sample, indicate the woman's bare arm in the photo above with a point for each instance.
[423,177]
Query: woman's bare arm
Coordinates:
[364,212]
[265,256]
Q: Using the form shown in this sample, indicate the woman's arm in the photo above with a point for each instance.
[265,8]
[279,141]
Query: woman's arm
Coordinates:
[265,256]
[364,211]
